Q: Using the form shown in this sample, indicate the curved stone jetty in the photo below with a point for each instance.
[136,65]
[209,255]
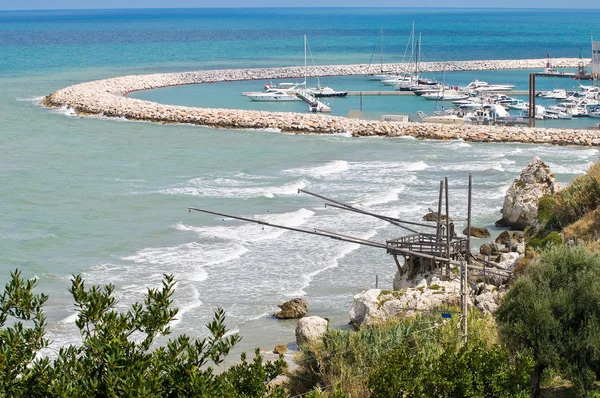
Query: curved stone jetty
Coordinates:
[108,98]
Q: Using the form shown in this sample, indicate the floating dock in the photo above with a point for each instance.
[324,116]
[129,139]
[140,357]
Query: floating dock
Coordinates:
[314,105]
[408,93]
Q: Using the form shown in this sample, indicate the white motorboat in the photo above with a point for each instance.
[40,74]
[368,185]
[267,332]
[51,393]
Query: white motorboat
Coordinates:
[324,91]
[399,80]
[477,86]
[445,95]
[276,95]
[443,117]
[285,86]
[519,105]
[594,112]
[557,94]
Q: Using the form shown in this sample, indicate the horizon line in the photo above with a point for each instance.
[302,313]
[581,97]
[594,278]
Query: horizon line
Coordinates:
[299,7]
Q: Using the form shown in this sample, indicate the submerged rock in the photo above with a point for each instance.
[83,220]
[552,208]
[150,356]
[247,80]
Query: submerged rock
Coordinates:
[521,201]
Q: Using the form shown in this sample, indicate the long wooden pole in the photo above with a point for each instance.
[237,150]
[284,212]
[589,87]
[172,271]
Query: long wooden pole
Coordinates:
[448,237]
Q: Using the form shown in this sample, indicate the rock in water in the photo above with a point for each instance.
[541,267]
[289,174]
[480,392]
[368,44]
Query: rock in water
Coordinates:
[310,329]
[295,308]
[521,201]
[280,349]
[478,232]
[433,216]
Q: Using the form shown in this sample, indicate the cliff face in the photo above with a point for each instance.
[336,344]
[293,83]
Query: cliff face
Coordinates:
[521,201]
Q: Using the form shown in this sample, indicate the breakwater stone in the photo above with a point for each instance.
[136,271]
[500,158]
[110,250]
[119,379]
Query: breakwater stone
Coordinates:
[108,97]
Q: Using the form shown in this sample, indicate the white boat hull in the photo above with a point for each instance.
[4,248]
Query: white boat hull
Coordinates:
[273,98]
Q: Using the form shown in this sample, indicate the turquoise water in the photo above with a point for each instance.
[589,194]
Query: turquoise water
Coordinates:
[108,198]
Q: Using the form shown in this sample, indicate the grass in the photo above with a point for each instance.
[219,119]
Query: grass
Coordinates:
[344,360]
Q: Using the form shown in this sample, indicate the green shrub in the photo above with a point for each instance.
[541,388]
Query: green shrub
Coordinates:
[116,357]
[554,311]
[474,370]
[351,363]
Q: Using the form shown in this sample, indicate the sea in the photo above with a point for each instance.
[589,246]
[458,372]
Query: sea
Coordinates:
[108,198]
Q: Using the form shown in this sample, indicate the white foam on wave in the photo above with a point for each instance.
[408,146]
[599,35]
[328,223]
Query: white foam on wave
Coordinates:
[337,166]
[391,195]
[416,166]
[271,130]
[229,188]
[189,258]
[194,302]
[69,319]
[381,167]
[457,144]
[245,233]
[34,100]
[570,168]
[67,111]
[334,261]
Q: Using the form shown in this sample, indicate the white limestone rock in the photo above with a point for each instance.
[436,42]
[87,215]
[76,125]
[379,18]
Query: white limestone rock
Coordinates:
[365,306]
[521,201]
[310,329]
[509,260]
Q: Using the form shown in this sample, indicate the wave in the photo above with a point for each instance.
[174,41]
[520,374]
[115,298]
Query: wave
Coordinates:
[337,166]
[251,232]
[195,302]
[334,262]
[391,195]
[37,101]
[229,188]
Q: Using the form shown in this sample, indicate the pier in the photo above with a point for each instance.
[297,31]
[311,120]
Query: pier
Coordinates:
[314,105]
[408,93]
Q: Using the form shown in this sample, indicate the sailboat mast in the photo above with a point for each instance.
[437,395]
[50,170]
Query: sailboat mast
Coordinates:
[305,62]
[418,56]
[381,48]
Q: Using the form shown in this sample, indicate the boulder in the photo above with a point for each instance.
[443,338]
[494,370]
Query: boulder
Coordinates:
[487,302]
[504,238]
[521,201]
[365,305]
[433,216]
[486,249]
[428,292]
[478,232]
[293,309]
[310,329]
[509,260]
[280,349]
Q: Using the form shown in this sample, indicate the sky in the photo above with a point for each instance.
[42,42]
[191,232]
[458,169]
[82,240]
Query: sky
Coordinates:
[92,4]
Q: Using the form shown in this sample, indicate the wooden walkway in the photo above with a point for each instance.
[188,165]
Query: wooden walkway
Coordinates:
[394,92]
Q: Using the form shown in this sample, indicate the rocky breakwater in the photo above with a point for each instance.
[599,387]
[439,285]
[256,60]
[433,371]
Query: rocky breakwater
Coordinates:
[108,98]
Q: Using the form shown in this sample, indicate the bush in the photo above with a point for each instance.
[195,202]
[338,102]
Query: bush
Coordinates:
[474,370]
[366,363]
[116,357]
[555,312]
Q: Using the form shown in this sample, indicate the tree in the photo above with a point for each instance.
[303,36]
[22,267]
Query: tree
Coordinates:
[118,356]
[20,342]
[554,310]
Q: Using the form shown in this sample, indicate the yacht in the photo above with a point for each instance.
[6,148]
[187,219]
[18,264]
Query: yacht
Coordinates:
[594,112]
[557,94]
[445,95]
[324,91]
[477,86]
[273,94]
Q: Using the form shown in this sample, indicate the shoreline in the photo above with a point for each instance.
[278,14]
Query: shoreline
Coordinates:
[108,97]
